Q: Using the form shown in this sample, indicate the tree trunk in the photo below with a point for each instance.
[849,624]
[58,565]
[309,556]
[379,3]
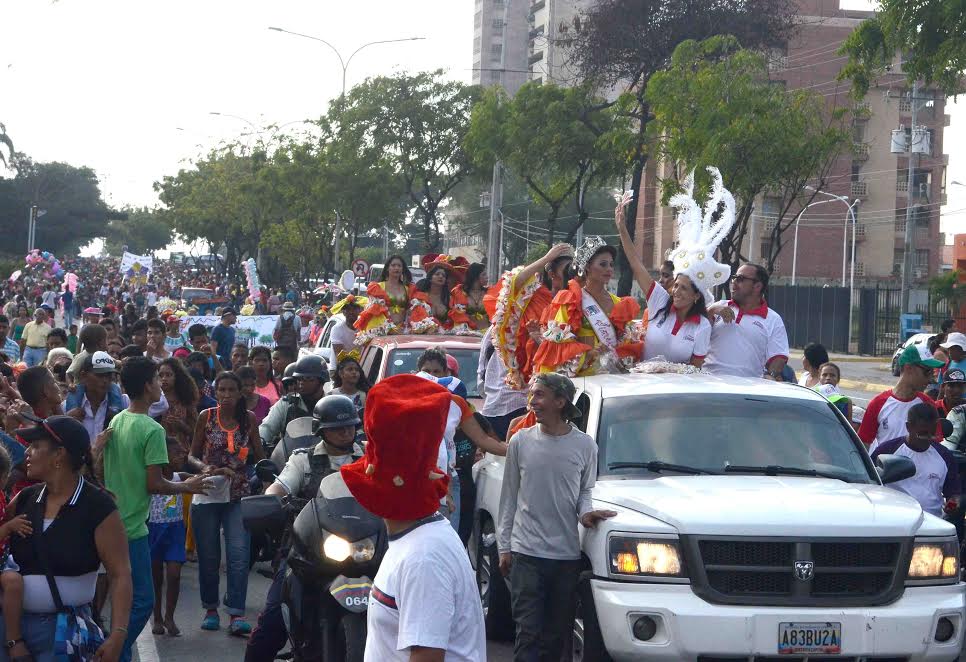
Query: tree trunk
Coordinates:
[626,280]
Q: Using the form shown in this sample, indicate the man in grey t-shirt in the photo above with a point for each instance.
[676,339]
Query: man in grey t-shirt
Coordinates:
[550,471]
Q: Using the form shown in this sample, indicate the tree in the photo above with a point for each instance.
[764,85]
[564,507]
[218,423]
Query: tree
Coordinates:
[929,34]
[7,142]
[714,105]
[950,290]
[625,42]
[417,123]
[70,196]
[560,141]
[140,229]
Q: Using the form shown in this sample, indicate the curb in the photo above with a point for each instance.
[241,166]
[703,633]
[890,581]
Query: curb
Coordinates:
[850,359]
[864,386]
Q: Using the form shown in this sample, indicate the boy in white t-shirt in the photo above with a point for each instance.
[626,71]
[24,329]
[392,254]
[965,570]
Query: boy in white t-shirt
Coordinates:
[936,485]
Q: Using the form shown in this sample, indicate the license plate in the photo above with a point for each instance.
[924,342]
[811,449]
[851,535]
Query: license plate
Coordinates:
[809,638]
[352,592]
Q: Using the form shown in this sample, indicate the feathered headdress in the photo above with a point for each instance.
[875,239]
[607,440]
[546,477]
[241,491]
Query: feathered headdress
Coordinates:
[699,235]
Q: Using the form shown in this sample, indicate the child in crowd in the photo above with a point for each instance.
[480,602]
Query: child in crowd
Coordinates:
[72,339]
[166,536]
[829,376]
[11,581]
[937,474]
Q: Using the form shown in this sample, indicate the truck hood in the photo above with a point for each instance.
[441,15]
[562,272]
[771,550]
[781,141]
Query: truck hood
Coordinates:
[763,505]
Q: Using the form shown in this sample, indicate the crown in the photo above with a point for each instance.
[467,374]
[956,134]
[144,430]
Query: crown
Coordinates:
[584,253]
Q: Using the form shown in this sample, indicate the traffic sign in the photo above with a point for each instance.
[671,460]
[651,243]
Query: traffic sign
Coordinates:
[360,268]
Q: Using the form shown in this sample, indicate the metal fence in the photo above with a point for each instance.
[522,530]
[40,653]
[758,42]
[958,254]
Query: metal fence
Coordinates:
[880,310]
[813,314]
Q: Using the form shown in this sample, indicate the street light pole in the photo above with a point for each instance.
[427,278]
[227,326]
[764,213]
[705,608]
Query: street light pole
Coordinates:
[798,222]
[344,63]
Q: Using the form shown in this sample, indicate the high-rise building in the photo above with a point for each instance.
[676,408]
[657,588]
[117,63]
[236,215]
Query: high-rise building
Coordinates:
[549,23]
[500,30]
[870,171]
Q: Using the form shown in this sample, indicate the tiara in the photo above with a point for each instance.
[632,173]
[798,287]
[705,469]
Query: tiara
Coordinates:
[588,250]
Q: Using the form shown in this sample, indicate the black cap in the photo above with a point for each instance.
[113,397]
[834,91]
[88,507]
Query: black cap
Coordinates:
[954,376]
[64,431]
[228,311]
[564,388]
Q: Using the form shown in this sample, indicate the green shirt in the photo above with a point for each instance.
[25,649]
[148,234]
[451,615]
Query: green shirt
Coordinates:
[137,443]
[72,344]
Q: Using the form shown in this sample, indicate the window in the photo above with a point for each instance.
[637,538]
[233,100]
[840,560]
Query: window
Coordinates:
[371,363]
[496,51]
[497,24]
[402,361]
[765,250]
[856,172]
[477,44]
[583,404]
[858,130]
[901,225]
[922,257]
[897,259]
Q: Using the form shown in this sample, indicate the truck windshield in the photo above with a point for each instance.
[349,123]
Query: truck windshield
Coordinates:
[403,361]
[728,433]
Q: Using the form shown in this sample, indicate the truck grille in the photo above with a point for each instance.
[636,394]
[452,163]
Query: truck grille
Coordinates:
[809,573]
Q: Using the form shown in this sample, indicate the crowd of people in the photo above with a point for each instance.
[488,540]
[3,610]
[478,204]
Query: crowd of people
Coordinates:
[129,442]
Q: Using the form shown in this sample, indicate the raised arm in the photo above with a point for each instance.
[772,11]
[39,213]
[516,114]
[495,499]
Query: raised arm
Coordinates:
[532,270]
[641,274]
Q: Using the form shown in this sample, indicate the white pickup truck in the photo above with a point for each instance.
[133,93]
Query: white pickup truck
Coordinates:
[751,525]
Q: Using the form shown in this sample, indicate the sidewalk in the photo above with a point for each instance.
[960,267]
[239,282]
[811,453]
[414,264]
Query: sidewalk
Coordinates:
[796,354]
[862,373]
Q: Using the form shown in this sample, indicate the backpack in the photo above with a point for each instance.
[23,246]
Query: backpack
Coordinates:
[286,335]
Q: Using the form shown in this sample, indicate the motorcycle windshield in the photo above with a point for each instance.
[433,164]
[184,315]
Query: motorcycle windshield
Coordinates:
[298,434]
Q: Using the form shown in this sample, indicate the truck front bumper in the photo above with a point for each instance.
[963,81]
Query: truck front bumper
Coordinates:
[689,627]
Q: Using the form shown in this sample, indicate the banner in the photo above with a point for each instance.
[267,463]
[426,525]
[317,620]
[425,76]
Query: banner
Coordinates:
[249,329]
[136,268]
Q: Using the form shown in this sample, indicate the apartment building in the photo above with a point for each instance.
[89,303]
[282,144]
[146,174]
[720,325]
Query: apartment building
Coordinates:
[500,49]
[870,171]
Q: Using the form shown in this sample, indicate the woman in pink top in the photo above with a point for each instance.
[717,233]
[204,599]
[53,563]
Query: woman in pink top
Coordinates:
[265,384]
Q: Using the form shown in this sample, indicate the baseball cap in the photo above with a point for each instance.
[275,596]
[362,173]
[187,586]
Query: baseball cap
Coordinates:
[99,363]
[919,355]
[228,311]
[65,431]
[954,376]
[562,387]
[955,340]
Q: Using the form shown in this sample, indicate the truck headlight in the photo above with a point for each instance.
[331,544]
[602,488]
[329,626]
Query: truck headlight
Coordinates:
[339,549]
[935,561]
[657,557]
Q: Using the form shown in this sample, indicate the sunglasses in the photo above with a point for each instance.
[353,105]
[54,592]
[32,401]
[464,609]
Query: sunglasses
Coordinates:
[738,279]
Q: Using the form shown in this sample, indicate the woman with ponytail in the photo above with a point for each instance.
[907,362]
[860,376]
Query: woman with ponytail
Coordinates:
[224,438]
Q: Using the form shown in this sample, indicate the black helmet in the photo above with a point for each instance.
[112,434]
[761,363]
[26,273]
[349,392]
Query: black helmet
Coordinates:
[288,376]
[313,367]
[334,411]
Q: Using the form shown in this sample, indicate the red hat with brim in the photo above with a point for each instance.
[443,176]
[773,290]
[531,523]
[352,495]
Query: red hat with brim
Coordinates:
[456,266]
[398,477]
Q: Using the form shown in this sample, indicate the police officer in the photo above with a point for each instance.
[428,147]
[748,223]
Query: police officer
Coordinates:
[311,374]
[335,422]
[288,379]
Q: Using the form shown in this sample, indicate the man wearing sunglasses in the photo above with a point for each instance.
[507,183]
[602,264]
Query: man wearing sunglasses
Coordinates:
[885,418]
[748,339]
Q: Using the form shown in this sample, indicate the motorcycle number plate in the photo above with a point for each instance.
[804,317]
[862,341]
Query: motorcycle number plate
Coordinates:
[352,592]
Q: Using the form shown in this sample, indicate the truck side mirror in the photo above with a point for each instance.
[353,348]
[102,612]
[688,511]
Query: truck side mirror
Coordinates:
[893,468]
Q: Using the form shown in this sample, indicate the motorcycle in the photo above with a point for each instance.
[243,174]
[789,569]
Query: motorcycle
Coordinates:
[336,548]
[298,434]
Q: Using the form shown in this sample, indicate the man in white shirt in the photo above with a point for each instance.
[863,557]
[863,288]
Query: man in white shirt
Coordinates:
[501,404]
[424,603]
[342,337]
[885,417]
[748,339]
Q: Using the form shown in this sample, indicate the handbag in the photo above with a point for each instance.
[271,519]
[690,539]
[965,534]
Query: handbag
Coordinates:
[77,637]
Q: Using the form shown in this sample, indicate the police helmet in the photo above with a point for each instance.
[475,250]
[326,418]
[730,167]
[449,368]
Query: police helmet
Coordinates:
[312,367]
[334,411]
[288,377]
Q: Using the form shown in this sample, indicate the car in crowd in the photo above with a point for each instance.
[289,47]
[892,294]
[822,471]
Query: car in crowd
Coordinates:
[323,344]
[751,525]
[385,356]
[375,274]
[916,339]
[202,298]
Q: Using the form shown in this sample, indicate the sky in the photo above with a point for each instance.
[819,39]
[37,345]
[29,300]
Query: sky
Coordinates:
[128,87]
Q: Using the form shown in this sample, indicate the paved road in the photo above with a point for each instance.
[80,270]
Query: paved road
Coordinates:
[196,644]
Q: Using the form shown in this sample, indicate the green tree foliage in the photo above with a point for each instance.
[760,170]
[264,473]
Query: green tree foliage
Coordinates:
[714,105]
[416,124]
[949,289]
[75,212]
[561,141]
[930,34]
[622,43]
[140,229]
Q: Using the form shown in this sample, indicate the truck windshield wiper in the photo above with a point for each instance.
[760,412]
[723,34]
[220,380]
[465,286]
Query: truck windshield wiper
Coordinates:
[778,470]
[657,467]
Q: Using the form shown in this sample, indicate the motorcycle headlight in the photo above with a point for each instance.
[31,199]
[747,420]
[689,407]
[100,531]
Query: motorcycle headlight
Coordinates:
[657,557]
[935,562]
[339,549]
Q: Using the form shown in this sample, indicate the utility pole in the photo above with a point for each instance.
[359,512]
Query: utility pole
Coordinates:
[31,221]
[335,256]
[493,248]
[907,251]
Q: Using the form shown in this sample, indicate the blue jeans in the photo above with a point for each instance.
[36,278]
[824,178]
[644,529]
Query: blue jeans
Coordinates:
[143,599]
[207,521]
[38,635]
[454,492]
[34,356]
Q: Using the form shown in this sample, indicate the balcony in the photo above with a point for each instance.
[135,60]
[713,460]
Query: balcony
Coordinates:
[860,189]
[777,63]
[534,58]
[537,5]
[861,150]
[902,185]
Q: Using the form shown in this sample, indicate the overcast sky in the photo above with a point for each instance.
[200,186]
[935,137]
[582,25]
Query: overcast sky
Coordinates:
[126,87]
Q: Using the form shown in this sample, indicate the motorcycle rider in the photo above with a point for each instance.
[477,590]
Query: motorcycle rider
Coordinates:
[311,373]
[336,419]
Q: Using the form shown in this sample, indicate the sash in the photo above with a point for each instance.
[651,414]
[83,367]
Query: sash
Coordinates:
[599,321]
